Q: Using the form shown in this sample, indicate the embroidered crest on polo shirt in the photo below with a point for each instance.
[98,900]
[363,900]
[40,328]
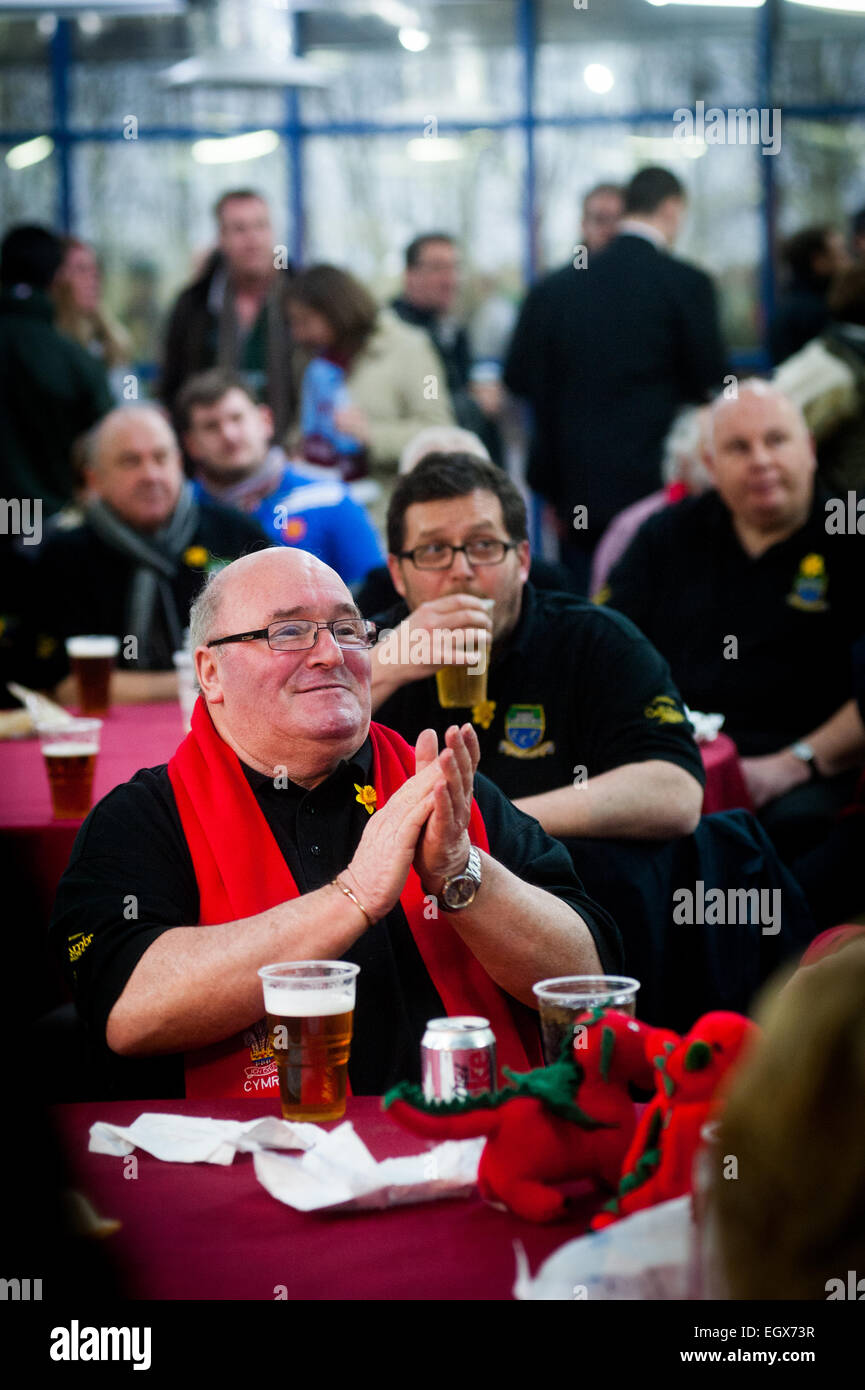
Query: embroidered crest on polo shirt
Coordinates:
[665,710]
[524,733]
[809,587]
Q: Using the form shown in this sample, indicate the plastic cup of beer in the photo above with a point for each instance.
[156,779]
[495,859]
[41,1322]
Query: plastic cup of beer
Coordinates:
[70,752]
[310,1013]
[561,1000]
[91,660]
[462,686]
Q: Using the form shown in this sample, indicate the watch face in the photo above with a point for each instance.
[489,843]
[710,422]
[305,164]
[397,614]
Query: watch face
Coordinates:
[460,891]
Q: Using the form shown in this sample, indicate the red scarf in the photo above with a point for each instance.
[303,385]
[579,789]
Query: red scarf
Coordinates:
[241,871]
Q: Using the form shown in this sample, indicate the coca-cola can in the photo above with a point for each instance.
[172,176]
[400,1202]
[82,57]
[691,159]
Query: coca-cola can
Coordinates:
[458,1058]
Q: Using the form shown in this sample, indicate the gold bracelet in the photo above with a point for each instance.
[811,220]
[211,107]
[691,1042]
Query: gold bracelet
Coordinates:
[348,893]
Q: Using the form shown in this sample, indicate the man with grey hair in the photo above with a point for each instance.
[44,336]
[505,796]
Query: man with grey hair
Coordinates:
[756,601]
[287,827]
[135,563]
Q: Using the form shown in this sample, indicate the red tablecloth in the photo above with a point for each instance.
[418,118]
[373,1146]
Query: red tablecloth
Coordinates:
[133,736]
[725,781]
[199,1231]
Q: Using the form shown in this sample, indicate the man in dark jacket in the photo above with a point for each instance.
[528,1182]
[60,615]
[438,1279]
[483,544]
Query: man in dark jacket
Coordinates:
[234,314]
[51,389]
[133,567]
[430,288]
[606,351]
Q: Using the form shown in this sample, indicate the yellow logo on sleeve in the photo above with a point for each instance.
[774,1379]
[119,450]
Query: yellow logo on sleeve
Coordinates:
[665,710]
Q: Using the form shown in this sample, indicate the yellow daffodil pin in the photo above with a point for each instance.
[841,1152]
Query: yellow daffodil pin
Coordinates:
[482,713]
[196,557]
[367,797]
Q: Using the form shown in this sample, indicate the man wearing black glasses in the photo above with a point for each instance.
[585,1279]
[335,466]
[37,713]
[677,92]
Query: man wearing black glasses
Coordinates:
[286,827]
[582,725]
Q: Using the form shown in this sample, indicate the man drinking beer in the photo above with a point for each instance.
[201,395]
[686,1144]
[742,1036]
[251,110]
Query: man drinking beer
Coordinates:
[286,827]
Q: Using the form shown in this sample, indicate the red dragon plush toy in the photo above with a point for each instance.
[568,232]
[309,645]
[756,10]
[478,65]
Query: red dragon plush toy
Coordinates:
[689,1070]
[574,1119]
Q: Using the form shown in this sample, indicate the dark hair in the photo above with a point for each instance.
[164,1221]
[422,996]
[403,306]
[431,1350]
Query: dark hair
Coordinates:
[857,223]
[344,302]
[454,475]
[238,194]
[415,249]
[650,188]
[206,388]
[846,299]
[799,250]
[30,255]
[613,188]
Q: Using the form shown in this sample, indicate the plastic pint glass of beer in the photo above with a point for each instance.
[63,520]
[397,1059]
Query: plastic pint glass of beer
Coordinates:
[561,1000]
[310,1012]
[461,686]
[70,753]
[91,660]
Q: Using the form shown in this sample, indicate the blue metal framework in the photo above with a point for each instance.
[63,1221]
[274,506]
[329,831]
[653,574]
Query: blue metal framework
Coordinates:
[295,131]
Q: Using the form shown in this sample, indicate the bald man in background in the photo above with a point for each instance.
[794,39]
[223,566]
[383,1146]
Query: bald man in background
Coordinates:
[777,589]
[134,565]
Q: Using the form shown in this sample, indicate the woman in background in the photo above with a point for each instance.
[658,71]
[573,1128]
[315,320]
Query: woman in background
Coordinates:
[80,313]
[369,381]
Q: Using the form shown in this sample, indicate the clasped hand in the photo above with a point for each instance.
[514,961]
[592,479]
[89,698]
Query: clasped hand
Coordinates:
[424,824]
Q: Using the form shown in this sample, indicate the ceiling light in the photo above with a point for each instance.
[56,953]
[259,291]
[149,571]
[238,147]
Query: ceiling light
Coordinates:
[30,152]
[434,150]
[234,149]
[598,77]
[850,6]
[714,4]
[415,40]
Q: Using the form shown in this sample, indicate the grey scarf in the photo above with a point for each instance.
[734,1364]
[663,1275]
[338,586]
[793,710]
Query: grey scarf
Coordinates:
[157,557]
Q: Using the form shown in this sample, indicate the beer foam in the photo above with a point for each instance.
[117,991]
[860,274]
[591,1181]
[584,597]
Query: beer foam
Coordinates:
[69,750]
[307,1003]
[92,646]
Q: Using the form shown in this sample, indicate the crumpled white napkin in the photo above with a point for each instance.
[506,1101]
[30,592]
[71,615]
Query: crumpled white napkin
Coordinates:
[645,1256]
[194,1139]
[340,1172]
[706,726]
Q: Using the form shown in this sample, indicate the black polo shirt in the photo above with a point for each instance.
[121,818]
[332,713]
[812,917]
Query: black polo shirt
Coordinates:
[131,850]
[574,687]
[793,614]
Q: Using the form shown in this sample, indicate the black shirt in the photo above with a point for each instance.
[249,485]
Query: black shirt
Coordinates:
[792,613]
[131,877]
[574,687]
[81,584]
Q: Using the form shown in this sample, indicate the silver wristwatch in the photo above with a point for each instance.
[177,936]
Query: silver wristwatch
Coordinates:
[805,754]
[460,890]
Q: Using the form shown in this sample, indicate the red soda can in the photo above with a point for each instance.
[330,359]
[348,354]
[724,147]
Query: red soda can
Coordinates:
[458,1058]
